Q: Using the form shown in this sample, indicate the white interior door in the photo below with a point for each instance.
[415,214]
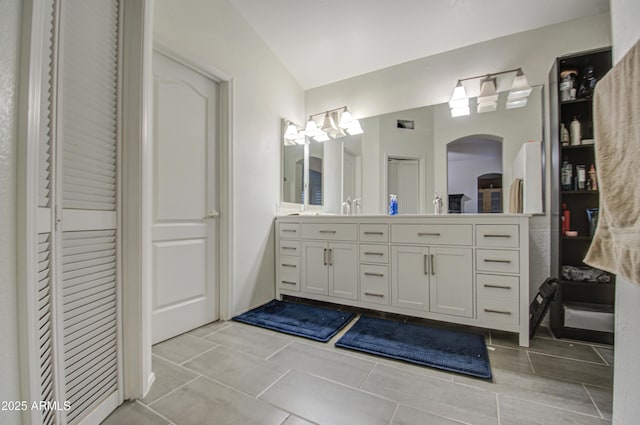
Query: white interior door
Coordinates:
[403,180]
[185,199]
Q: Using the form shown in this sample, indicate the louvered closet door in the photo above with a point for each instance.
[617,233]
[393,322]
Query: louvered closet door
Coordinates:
[87,184]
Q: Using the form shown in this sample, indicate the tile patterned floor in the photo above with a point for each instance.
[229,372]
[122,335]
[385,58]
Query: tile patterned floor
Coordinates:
[231,373]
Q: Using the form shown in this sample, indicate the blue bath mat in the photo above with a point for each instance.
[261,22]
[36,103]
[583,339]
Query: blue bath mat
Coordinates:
[302,320]
[439,348]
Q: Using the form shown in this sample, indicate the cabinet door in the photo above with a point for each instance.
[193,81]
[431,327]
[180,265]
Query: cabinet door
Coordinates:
[410,277]
[343,270]
[451,281]
[315,277]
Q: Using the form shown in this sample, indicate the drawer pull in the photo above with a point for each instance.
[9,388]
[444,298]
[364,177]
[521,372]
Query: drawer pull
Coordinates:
[490,310]
[289,230]
[497,286]
[288,265]
[488,260]
[374,294]
[288,282]
[374,233]
[497,236]
[428,234]
[373,253]
[324,256]
[328,231]
[374,274]
[433,268]
[289,247]
[426,269]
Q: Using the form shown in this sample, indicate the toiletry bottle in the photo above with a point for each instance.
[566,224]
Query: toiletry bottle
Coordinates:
[393,205]
[564,135]
[567,175]
[581,174]
[593,177]
[576,134]
[566,219]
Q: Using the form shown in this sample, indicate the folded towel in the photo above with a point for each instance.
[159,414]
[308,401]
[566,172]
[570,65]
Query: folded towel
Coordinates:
[616,243]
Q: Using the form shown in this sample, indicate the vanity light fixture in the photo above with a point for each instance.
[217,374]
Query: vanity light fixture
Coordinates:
[292,133]
[346,124]
[488,97]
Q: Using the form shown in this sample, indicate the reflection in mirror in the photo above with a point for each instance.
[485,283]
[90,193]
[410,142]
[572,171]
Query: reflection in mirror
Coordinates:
[316,155]
[470,160]
[292,160]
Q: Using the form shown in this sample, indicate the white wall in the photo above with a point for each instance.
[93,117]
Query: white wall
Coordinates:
[212,32]
[430,80]
[9,46]
[626,380]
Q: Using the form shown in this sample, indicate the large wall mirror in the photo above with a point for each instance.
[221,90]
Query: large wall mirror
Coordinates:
[419,153]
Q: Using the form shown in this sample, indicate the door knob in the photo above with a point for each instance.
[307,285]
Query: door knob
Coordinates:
[213,214]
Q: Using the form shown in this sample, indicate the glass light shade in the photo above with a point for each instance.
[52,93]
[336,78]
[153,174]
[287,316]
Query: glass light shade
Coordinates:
[355,128]
[321,137]
[516,103]
[329,126]
[460,111]
[312,129]
[520,87]
[291,133]
[345,119]
[459,97]
[488,92]
[487,107]
[301,139]
[289,142]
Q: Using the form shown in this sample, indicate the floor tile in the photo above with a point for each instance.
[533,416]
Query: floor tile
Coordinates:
[294,420]
[543,332]
[206,402]
[442,398]
[568,370]
[249,339]
[509,359]
[560,348]
[520,412]
[328,364]
[325,402]
[606,353]
[603,398]
[562,394]
[181,348]
[133,413]
[410,416]
[205,330]
[246,373]
[168,378]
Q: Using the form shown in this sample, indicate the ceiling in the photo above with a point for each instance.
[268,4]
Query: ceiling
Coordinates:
[323,41]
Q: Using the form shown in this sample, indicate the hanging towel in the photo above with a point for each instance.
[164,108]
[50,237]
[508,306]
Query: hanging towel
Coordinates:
[616,243]
[515,196]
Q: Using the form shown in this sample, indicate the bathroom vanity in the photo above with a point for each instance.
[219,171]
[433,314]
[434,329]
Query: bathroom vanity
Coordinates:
[471,269]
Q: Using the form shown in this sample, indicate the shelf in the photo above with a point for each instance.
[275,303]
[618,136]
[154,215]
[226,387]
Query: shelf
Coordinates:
[577,238]
[590,145]
[573,102]
[579,192]
[583,283]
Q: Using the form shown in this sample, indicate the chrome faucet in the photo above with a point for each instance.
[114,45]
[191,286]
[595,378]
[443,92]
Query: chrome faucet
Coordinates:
[356,205]
[347,204]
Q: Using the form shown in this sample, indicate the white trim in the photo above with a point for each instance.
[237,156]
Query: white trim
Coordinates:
[225,164]
[28,216]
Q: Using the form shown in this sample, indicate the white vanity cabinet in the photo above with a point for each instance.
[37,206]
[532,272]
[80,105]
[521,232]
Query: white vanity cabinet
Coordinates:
[471,269]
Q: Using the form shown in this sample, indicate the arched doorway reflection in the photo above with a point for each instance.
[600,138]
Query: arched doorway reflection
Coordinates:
[468,158]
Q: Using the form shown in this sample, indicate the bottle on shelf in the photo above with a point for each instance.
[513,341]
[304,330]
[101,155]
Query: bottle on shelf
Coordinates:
[581,175]
[564,135]
[566,219]
[594,178]
[576,132]
[567,175]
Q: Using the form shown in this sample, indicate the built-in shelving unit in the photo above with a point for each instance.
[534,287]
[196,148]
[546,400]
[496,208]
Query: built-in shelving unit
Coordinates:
[581,310]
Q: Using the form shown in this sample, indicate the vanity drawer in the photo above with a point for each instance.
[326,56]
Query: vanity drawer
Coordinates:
[374,254]
[497,235]
[289,247]
[289,273]
[374,284]
[489,285]
[497,260]
[374,233]
[432,234]
[289,230]
[330,231]
[497,310]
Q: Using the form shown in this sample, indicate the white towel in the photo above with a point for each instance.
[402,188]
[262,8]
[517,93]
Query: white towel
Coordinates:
[616,244]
